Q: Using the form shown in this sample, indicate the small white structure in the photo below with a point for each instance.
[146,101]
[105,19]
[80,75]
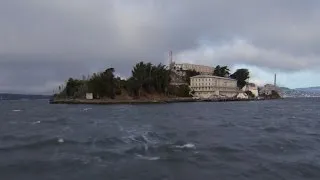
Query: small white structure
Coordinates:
[253,88]
[209,87]
[89,96]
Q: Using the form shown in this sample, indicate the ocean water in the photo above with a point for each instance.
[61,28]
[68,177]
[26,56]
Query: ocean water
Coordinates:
[263,140]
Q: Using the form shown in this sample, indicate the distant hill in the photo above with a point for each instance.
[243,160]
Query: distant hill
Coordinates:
[8,96]
[301,92]
[309,89]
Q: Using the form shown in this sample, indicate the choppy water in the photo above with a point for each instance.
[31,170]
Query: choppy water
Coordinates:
[198,141]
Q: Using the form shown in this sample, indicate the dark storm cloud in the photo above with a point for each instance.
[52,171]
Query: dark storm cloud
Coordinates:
[58,39]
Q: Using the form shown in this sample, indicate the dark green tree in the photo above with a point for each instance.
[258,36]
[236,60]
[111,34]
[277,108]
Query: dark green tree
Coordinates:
[241,75]
[103,84]
[221,71]
[149,78]
[73,86]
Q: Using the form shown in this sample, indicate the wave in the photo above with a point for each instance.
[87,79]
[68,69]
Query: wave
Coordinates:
[39,144]
[227,124]
[225,149]
[280,145]
[147,149]
[271,129]
[15,138]
[16,110]
[149,158]
[185,146]
[109,141]
[86,109]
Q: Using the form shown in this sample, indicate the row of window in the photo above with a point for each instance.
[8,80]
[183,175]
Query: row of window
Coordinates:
[212,89]
[203,88]
[213,84]
[203,79]
[203,84]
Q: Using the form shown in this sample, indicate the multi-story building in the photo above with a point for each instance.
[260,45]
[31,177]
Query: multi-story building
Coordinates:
[199,68]
[208,86]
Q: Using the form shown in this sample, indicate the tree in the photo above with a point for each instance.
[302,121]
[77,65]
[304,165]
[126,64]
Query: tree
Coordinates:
[145,77]
[132,86]
[223,71]
[72,87]
[103,84]
[148,77]
[241,75]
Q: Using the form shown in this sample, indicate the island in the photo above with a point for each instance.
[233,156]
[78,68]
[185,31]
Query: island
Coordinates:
[159,83]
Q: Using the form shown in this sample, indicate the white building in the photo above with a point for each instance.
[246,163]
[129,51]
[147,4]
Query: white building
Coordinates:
[208,86]
[268,88]
[252,88]
[199,68]
[89,96]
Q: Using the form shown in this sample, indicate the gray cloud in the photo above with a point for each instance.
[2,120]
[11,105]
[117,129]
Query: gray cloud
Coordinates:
[48,41]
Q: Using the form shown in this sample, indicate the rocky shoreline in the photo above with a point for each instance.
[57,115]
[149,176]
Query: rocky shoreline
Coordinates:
[143,101]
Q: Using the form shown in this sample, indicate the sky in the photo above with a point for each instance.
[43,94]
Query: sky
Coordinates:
[44,42]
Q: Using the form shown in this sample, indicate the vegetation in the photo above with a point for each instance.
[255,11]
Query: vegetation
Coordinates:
[146,79]
[149,78]
[103,84]
[221,71]
[180,91]
[241,75]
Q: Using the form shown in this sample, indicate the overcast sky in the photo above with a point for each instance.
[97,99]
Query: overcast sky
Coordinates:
[44,42]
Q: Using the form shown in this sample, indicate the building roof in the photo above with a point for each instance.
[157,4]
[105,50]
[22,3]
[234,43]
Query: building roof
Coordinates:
[210,76]
[194,65]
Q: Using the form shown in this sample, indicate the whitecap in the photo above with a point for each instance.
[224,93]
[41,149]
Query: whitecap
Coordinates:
[149,158]
[60,140]
[186,146]
[37,122]
[16,110]
[87,109]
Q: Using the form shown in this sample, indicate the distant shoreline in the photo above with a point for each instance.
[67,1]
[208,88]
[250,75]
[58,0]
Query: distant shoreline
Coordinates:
[142,101]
